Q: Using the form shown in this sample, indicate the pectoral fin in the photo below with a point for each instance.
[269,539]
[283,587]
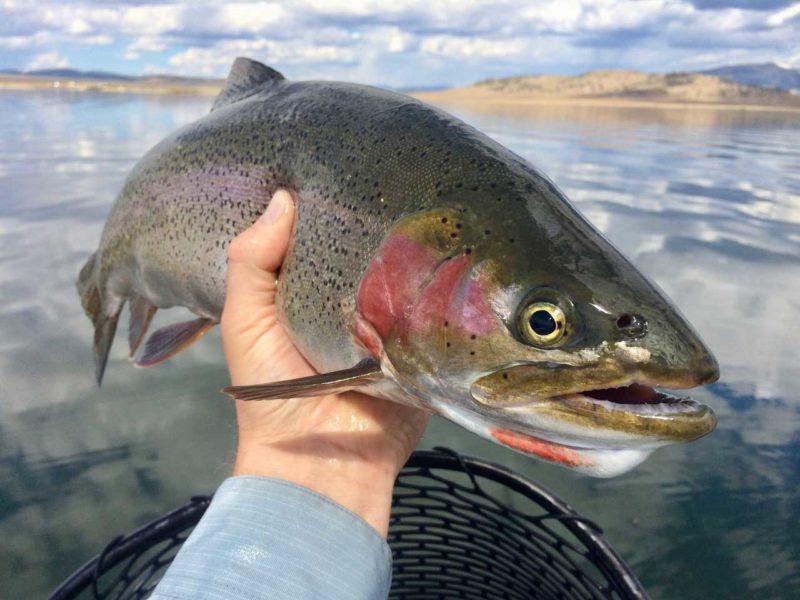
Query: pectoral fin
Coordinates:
[168,341]
[142,311]
[367,371]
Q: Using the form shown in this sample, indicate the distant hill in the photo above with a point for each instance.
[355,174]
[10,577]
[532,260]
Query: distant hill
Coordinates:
[75,74]
[102,81]
[616,88]
[680,87]
[767,75]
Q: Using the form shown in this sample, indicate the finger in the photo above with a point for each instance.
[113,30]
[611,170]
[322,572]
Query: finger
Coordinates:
[264,244]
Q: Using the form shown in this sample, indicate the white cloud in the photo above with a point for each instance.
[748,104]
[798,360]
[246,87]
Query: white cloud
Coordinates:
[408,42]
[78,26]
[144,44]
[48,60]
[784,16]
[574,16]
[15,42]
[559,17]
[148,43]
[95,40]
[397,41]
[242,17]
[150,19]
[209,61]
[462,47]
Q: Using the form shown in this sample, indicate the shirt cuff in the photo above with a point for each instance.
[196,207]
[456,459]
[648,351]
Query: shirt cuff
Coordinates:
[268,538]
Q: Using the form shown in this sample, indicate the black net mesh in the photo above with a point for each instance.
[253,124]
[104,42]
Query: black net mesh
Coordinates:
[464,528]
[460,528]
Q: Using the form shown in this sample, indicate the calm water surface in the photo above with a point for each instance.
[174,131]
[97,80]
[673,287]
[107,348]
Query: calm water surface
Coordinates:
[706,202]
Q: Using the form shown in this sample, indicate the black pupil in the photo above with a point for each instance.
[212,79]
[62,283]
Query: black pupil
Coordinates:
[543,323]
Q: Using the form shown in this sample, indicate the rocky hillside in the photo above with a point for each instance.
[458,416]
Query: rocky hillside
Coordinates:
[675,87]
[765,75]
[98,81]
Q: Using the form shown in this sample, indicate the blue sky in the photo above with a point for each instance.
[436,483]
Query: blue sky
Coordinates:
[397,43]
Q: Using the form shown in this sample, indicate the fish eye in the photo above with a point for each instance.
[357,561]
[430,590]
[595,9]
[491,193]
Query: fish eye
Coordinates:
[542,324]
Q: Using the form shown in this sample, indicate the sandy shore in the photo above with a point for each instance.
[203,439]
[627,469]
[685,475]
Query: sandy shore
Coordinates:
[473,97]
[476,98]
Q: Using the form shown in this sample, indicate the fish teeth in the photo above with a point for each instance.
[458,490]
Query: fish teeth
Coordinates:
[661,408]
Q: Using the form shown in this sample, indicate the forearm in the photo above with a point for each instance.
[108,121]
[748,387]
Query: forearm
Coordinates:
[264,538]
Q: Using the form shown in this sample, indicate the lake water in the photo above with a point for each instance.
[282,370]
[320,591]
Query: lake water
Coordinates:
[705,202]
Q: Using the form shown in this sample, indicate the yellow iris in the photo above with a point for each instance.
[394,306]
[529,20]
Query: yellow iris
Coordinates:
[542,323]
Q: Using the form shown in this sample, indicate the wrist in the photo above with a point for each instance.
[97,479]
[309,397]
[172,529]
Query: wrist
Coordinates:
[363,487]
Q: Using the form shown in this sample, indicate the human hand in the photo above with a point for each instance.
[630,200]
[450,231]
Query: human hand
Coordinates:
[348,447]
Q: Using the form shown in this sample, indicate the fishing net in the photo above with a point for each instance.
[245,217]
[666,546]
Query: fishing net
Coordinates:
[460,528]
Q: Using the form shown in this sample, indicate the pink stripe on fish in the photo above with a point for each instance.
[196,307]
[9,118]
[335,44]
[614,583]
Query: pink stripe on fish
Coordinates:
[436,300]
[557,453]
[393,280]
[476,317]
[408,289]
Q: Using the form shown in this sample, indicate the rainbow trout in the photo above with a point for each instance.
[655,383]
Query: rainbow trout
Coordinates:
[429,266]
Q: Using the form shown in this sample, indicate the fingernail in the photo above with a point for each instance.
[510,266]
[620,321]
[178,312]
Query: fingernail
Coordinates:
[275,209]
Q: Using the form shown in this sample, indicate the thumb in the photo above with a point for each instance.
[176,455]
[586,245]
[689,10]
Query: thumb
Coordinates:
[263,245]
[253,259]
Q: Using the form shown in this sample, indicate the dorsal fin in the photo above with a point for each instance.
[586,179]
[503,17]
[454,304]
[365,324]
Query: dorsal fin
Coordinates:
[245,77]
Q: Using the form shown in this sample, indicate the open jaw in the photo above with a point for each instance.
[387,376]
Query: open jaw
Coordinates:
[630,404]
[600,431]
[636,398]
[627,412]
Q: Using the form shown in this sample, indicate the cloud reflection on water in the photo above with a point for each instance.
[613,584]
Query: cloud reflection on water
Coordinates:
[707,203]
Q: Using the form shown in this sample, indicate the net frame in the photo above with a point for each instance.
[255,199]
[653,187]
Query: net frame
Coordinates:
[450,534]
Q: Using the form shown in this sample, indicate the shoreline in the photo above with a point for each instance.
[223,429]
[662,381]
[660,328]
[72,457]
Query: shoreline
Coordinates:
[466,97]
[156,88]
[488,101]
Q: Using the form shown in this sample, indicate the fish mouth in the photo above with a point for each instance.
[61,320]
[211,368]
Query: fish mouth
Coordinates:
[634,397]
[634,409]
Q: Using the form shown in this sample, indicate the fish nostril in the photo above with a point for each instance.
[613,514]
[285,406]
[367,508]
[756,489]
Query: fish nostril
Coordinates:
[632,326]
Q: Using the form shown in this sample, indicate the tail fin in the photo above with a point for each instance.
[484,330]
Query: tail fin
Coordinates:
[105,325]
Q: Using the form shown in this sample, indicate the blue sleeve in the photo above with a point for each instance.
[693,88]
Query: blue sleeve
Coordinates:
[268,538]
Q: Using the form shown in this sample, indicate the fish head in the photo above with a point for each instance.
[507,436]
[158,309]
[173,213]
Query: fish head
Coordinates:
[534,332]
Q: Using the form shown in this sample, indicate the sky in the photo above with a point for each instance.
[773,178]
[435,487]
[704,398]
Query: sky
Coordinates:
[397,43]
